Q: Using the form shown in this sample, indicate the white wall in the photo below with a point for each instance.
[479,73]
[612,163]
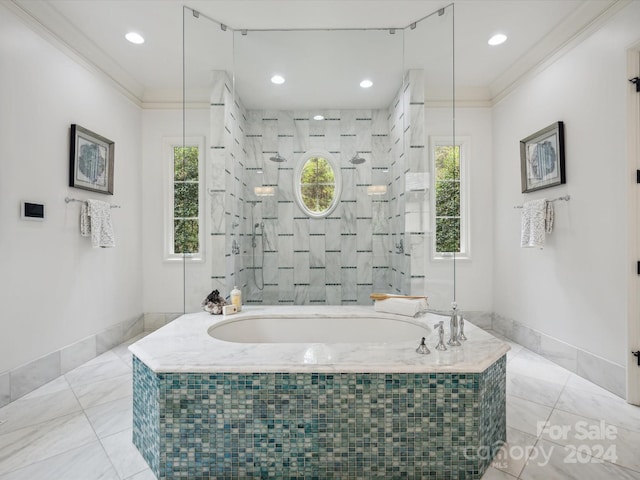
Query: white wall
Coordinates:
[55,289]
[574,289]
[474,290]
[163,281]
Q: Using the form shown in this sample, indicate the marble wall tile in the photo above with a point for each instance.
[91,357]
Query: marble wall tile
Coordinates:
[348,184]
[269,136]
[317,251]
[348,251]
[363,135]
[285,250]
[349,281]
[109,338]
[417,249]
[347,211]
[253,151]
[526,337]
[559,352]
[380,279]
[333,270]
[215,172]
[34,374]
[333,238]
[364,268]
[301,138]
[5,389]
[380,151]
[364,237]
[286,125]
[482,320]
[154,321]
[301,294]
[80,352]
[348,145]
[332,137]
[417,120]
[301,267]
[301,232]
[334,294]
[285,281]
[317,290]
[348,122]
[602,372]
[216,206]
[503,325]
[379,122]
[216,116]
[286,149]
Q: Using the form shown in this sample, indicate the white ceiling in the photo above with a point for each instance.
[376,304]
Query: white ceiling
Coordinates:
[317,64]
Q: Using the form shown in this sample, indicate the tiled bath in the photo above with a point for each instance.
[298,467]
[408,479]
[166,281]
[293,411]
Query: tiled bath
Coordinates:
[319,425]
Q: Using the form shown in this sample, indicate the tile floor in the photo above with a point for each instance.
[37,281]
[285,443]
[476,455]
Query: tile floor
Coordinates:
[78,427]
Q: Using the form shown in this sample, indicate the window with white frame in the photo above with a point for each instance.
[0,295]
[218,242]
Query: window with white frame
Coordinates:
[184,218]
[450,197]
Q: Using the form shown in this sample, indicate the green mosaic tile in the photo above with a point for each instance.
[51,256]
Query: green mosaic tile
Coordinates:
[324,426]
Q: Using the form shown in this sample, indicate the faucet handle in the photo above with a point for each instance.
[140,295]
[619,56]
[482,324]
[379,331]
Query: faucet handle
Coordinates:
[422,348]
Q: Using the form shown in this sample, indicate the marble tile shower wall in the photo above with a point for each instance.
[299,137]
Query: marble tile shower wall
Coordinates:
[224,184]
[339,259]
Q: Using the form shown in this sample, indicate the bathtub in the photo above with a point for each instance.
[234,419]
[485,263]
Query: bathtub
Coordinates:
[325,392]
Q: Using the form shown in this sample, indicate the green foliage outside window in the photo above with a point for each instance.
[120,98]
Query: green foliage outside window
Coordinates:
[186,226]
[317,184]
[447,186]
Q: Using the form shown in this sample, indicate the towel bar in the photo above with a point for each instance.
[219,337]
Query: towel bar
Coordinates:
[566,198]
[69,199]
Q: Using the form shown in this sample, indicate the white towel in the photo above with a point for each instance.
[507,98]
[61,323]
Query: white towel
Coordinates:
[401,306]
[85,221]
[101,226]
[537,219]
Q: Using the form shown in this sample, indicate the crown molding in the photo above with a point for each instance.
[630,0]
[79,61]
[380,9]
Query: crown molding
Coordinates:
[72,42]
[584,21]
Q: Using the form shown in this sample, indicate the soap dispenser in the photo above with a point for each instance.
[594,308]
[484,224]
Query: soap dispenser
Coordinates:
[236,297]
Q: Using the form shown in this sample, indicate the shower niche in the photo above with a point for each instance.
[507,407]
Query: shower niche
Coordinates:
[311,175]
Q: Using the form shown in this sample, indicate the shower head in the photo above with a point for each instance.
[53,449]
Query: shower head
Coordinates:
[357,159]
[278,158]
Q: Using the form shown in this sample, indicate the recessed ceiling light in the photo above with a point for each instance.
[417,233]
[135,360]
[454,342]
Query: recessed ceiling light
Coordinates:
[497,39]
[277,79]
[366,83]
[134,37]
[318,117]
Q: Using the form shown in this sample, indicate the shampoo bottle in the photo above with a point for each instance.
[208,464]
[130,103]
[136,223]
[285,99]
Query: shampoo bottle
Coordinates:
[236,298]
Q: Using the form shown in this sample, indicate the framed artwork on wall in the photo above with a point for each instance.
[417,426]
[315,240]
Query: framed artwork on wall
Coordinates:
[90,161]
[542,159]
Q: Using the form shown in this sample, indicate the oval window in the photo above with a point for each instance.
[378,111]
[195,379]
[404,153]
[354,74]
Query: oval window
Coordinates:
[318,183]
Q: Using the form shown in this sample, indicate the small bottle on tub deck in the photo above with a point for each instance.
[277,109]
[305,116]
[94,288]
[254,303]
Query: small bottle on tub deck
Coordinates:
[236,298]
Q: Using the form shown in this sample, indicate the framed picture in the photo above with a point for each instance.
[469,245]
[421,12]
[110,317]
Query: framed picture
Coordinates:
[91,161]
[542,159]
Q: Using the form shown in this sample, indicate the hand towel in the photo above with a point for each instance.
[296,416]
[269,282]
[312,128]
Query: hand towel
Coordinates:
[85,221]
[537,219]
[101,226]
[401,306]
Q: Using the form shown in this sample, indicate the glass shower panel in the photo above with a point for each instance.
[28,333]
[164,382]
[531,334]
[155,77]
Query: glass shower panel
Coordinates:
[207,88]
[252,233]
[430,103]
[292,257]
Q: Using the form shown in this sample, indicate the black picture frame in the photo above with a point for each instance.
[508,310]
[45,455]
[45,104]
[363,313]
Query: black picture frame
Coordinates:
[542,162]
[90,161]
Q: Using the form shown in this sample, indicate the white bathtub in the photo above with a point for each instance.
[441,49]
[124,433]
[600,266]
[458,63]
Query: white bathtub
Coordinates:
[373,328]
[311,339]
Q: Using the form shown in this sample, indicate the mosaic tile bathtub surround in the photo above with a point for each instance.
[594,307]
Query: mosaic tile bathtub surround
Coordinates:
[319,425]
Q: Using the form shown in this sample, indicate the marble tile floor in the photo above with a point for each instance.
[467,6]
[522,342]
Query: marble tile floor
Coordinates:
[559,426]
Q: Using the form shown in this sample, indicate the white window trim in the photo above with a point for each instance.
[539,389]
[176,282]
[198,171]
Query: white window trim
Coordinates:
[464,143]
[168,144]
[337,174]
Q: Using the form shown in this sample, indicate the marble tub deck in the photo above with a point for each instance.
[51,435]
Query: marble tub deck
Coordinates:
[185,346]
[207,408]
[91,408]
